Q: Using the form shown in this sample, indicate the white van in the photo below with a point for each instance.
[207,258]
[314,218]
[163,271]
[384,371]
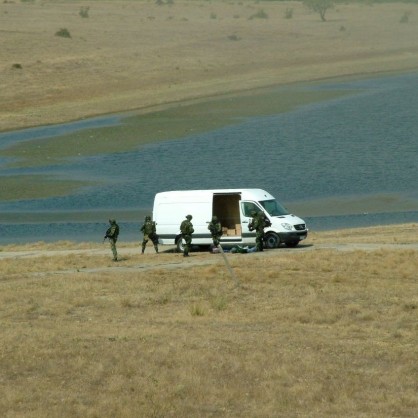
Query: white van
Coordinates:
[233,208]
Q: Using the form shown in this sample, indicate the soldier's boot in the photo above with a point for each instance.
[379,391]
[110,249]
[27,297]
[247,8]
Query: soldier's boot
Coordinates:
[156,248]
[143,249]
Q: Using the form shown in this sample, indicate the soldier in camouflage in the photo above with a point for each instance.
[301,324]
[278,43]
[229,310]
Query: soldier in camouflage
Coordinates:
[186,229]
[258,223]
[112,234]
[215,229]
[149,229]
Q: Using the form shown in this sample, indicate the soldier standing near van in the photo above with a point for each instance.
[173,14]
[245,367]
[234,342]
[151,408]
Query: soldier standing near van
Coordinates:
[258,223]
[112,234]
[266,221]
[215,229]
[149,229]
[186,229]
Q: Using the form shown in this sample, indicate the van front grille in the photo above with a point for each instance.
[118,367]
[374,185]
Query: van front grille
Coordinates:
[300,227]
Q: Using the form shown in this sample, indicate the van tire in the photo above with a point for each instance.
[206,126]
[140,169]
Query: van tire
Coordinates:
[271,240]
[180,245]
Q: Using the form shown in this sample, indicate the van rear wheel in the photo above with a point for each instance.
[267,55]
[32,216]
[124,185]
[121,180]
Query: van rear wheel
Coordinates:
[271,240]
[180,245]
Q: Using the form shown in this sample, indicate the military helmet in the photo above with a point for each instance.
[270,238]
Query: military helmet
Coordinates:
[189,217]
[261,213]
[214,218]
[112,221]
[253,213]
[148,218]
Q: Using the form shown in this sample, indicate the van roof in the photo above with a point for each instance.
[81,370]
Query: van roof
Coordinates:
[254,194]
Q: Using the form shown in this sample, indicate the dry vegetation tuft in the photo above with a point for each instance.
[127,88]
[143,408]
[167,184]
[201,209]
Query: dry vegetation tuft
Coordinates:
[310,332]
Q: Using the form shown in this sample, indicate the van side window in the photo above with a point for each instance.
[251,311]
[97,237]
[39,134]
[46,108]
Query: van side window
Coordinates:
[248,207]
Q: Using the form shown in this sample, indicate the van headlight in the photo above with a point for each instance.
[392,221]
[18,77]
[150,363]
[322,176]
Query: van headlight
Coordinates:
[288,227]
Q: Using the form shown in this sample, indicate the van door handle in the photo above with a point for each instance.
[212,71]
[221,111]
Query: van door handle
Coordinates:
[244,222]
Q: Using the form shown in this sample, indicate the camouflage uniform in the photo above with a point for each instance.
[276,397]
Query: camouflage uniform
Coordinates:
[149,229]
[112,234]
[186,229]
[258,223]
[215,229]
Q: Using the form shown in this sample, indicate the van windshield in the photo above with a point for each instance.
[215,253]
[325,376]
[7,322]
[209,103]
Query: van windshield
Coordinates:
[273,207]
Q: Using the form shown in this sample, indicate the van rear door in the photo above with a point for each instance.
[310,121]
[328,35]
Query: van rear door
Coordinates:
[226,206]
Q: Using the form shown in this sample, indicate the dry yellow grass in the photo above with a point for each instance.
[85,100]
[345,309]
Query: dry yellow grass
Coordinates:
[394,234]
[136,54]
[310,332]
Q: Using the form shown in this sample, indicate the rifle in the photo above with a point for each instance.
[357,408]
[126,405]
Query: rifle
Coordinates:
[107,235]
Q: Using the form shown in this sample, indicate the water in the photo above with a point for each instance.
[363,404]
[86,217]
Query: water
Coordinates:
[30,134]
[365,143]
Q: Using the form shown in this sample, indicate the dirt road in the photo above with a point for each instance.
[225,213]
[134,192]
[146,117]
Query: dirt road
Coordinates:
[131,260]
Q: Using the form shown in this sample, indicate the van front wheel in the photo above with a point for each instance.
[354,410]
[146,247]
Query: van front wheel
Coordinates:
[271,240]
[180,244]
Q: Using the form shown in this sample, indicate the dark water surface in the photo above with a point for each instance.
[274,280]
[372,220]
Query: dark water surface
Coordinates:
[362,144]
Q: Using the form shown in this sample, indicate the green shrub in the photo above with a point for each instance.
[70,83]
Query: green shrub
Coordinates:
[219,303]
[261,14]
[405,17]
[319,6]
[234,37]
[197,310]
[288,14]
[84,11]
[63,33]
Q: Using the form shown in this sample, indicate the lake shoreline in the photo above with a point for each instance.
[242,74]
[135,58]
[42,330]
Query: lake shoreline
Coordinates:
[125,112]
